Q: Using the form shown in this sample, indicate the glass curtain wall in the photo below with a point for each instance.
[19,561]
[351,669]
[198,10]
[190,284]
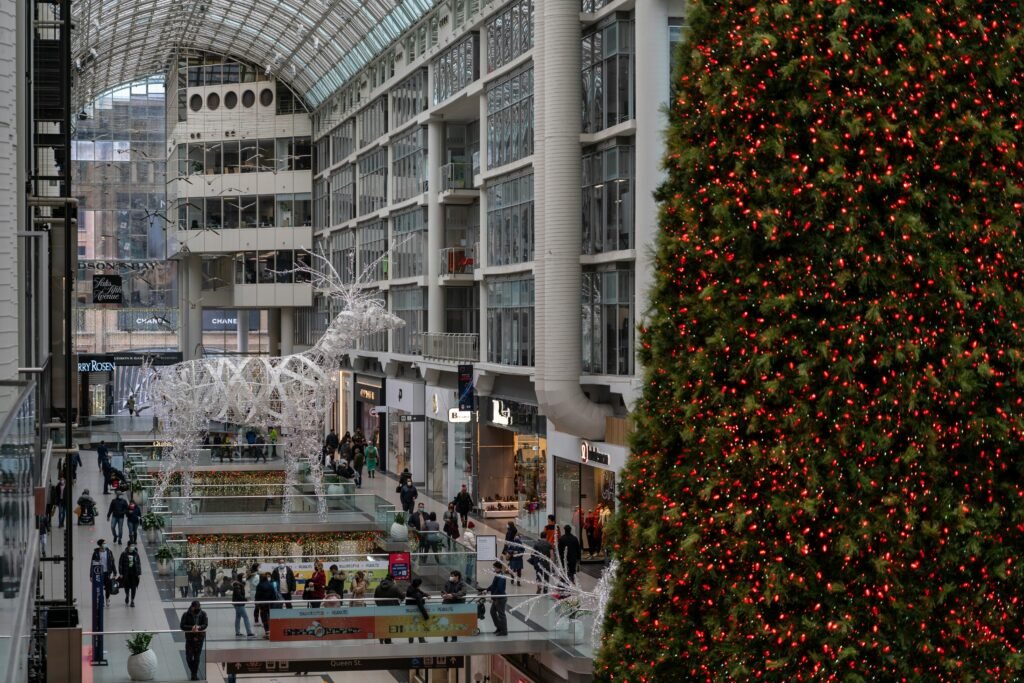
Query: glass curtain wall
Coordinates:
[509,34]
[607,76]
[510,225]
[373,245]
[510,118]
[608,322]
[607,200]
[409,168]
[409,304]
[373,181]
[343,195]
[409,97]
[409,251]
[343,141]
[510,321]
[437,459]
[456,68]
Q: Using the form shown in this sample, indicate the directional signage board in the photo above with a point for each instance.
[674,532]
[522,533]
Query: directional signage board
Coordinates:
[411,418]
[352,664]
[456,415]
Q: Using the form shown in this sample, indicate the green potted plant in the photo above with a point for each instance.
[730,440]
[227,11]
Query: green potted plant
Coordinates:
[164,558]
[399,531]
[142,661]
[152,524]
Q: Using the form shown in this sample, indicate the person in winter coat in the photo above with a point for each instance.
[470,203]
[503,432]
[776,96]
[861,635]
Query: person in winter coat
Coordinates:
[194,623]
[463,504]
[251,583]
[358,460]
[388,594]
[499,600]
[336,584]
[284,577]
[130,566]
[514,551]
[118,510]
[371,455]
[359,586]
[416,596]
[266,597]
[317,585]
[408,494]
[238,600]
[454,592]
[570,552]
[134,518]
[540,559]
[103,556]
[451,525]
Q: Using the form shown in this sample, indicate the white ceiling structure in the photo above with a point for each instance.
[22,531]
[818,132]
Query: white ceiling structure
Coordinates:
[313,45]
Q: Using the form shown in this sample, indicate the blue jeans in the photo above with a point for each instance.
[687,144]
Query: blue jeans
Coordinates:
[62,513]
[242,615]
[117,527]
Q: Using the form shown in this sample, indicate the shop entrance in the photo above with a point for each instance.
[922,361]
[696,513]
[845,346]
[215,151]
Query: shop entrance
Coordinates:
[585,498]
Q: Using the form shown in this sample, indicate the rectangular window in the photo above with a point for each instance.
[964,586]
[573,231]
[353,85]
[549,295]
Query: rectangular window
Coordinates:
[378,341]
[408,170]
[607,76]
[456,68]
[373,245]
[321,204]
[462,310]
[510,230]
[409,97]
[343,194]
[343,254]
[677,31]
[373,121]
[510,118]
[409,250]
[510,322]
[608,322]
[409,304]
[323,154]
[343,141]
[607,199]
[373,181]
[509,34]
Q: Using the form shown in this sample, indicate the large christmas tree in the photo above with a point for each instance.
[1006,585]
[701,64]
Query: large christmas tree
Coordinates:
[827,483]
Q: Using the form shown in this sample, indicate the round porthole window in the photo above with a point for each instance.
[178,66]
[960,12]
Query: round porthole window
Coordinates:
[195,103]
[231,99]
[212,101]
[248,98]
[266,97]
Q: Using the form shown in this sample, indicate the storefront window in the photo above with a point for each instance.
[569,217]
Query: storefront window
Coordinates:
[399,441]
[464,470]
[585,498]
[530,479]
[437,459]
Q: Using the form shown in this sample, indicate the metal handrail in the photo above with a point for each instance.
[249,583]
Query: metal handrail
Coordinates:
[451,346]
[457,175]
[458,260]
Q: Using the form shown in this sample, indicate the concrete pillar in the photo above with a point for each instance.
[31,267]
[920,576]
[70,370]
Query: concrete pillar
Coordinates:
[652,92]
[287,331]
[242,316]
[435,226]
[192,329]
[274,331]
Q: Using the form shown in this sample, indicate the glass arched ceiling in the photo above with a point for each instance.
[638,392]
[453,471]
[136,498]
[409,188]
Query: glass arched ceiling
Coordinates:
[313,45]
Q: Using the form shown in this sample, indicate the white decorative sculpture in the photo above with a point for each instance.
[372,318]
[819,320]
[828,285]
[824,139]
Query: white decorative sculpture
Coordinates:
[292,392]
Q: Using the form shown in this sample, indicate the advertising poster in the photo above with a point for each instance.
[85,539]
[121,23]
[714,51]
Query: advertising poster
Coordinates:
[401,566]
[355,623]
[374,570]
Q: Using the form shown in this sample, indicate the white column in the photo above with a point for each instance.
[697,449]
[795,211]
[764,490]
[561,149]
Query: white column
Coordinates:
[652,92]
[242,331]
[287,331]
[192,329]
[274,331]
[435,226]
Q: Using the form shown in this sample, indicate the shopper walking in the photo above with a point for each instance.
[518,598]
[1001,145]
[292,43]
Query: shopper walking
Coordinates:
[540,560]
[570,552]
[370,455]
[194,623]
[102,455]
[134,518]
[130,566]
[104,557]
[463,504]
[454,593]
[131,405]
[251,583]
[499,600]
[266,596]
[408,494]
[238,600]
[358,460]
[116,513]
[57,496]
[416,596]
[451,525]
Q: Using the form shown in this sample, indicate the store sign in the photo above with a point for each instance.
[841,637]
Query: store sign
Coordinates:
[368,393]
[150,320]
[590,454]
[107,289]
[96,366]
[501,414]
[365,623]
[349,664]
[227,321]
[456,415]
[467,401]
[513,414]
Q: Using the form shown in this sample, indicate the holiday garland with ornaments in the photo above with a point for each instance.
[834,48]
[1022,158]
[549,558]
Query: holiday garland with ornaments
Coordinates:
[234,483]
[829,474]
[272,545]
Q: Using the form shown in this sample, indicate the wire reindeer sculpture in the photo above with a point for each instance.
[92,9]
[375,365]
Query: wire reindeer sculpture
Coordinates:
[291,392]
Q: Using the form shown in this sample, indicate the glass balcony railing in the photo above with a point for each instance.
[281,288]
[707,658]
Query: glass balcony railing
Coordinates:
[459,260]
[457,176]
[451,347]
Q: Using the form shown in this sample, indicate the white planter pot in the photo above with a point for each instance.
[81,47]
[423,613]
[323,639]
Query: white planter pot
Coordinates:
[152,536]
[163,567]
[142,667]
[399,532]
[335,490]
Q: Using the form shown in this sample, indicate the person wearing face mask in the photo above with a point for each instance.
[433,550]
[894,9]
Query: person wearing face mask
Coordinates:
[130,566]
[103,556]
[454,592]
[419,518]
[284,577]
[194,623]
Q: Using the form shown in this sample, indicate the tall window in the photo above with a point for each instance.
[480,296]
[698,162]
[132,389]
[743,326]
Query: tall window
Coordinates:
[456,68]
[510,322]
[510,118]
[373,181]
[322,158]
[509,34]
[321,204]
[510,220]
[462,310]
[373,244]
[343,141]
[379,340]
[677,31]
[607,76]
[409,97]
[343,194]
[408,303]
[373,121]
[343,254]
[608,322]
[408,169]
[607,199]
[410,228]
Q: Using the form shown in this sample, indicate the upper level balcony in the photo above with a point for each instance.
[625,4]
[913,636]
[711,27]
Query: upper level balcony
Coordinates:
[453,348]
[458,264]
[457,184]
